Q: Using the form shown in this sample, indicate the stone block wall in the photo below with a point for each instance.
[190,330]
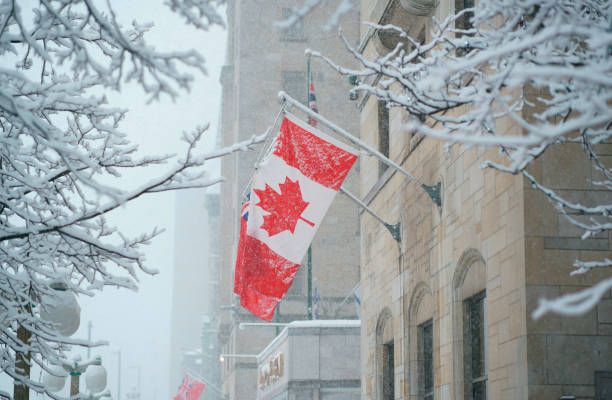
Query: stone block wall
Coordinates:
[481,219]
[494,233]
[565,353]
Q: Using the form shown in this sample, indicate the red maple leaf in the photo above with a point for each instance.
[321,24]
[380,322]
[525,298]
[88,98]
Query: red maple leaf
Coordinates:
[285,208]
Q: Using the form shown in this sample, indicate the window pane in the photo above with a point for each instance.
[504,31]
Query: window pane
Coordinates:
[388,371]
[425,353]
[383,133]
[479,391]
[294,32]
[464,22]
[477,336]
[297,288]
[294,83]
[474,349]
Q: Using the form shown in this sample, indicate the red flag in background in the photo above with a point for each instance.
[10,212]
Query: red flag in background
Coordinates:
[189,389]
[292,189]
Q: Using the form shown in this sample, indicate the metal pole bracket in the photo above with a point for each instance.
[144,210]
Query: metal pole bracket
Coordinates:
[434,192]
[395,231]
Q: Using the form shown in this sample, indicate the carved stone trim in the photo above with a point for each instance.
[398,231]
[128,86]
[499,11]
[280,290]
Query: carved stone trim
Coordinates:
[420,7]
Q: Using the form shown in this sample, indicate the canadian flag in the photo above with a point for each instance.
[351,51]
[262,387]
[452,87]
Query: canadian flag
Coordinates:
[189,389]
[291,191]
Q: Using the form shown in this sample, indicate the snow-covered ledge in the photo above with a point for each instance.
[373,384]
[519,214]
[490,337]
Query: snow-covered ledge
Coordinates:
[315,358]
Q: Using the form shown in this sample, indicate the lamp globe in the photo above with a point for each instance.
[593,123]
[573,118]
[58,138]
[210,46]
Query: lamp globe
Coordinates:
[62,309]
[55,379]
[95,378]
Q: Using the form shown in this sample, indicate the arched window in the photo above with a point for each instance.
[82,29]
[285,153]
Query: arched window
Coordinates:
[421,343]
[385,356]
[469,327]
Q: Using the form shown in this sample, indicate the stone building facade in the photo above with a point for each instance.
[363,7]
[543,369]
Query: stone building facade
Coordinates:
[446,313]
[260,62]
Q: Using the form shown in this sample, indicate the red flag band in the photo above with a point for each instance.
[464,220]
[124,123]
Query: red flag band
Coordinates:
[292,189]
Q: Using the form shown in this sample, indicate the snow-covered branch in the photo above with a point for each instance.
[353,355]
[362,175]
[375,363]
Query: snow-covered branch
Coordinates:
[574,303]
[62,151]
[525,77]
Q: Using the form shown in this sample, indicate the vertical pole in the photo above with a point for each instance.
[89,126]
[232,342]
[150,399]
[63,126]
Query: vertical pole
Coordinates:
[308,86]
[89,326]
[277,318]
[309,282]
[22,365]
[74,384]
[309,264]
[119,376]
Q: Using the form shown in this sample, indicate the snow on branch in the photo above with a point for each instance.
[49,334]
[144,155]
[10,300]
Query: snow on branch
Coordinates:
[574,304]
[62,151]
[199,13]
[525,77]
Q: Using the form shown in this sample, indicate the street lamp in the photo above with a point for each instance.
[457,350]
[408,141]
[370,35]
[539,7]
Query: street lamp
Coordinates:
[63,311]
[95,379]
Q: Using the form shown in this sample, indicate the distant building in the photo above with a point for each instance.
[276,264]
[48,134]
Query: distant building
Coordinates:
[446,313]
[195,287]
[209,368]
[261,62]
[210,350]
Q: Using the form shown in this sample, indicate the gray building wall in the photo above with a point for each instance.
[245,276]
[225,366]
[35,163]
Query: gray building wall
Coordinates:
[320,361]
[260,63]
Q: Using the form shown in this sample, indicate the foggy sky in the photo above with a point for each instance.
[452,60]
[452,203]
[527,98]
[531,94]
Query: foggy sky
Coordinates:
[138,323]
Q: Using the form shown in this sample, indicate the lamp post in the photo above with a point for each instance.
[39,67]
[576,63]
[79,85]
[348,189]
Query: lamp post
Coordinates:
[95,378]
[118,352]
[22,364]
[64,312]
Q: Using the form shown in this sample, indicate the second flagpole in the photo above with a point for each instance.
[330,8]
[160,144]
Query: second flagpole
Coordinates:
[309,259]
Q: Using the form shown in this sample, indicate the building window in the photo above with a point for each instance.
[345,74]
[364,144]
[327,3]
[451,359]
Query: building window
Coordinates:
[603,385]
[294,33]
[294,83]
[464,22]
[385,360]
[475,347]
[425,360]
[299,282]
[388,363]
[383,134]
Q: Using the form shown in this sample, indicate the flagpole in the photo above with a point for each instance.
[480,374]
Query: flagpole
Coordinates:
[432,190]
[394,230]
[309,262]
